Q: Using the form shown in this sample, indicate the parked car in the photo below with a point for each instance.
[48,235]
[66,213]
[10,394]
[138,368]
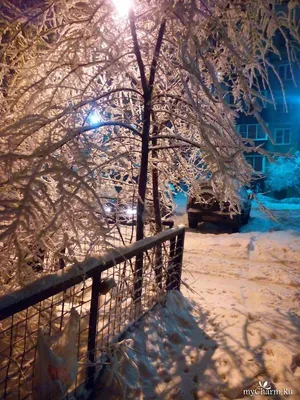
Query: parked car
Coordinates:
[209,209]
[124,212]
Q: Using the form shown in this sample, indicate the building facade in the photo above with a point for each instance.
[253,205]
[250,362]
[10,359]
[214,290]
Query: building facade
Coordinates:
[282,119]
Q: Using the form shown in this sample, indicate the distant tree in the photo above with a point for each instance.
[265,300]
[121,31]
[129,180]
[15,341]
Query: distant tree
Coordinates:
[284,173]
[90,96]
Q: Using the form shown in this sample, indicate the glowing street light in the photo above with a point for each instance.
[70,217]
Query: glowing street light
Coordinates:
[94,118]
[122,6]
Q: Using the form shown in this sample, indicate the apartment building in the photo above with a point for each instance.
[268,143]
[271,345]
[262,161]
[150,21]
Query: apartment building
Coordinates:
[283,119]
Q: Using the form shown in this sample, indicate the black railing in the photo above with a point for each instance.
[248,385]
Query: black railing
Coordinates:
[104,316]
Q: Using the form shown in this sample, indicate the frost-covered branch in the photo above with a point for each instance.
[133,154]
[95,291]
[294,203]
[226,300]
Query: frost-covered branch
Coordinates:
[81,89]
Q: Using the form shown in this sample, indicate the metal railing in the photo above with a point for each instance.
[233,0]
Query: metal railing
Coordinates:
[48,301]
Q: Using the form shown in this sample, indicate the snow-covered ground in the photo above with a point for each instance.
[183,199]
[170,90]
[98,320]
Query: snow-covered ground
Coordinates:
[236,324]
[248,286]
[286,215]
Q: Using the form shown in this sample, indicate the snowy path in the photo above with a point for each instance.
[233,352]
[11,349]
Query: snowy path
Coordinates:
[273,257]
[248,285]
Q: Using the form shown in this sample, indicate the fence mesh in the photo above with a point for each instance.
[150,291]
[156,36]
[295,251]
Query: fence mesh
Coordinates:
[119,235]
[106,305]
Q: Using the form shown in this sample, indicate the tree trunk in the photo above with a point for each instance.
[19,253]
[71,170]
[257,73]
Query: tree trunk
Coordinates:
[138,273]
[157,213]
[147,86]
[142,187]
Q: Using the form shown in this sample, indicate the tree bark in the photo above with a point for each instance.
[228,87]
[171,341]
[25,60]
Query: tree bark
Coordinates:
[142,186]
[157,213]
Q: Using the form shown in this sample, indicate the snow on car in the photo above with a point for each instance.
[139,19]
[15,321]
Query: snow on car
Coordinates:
[208,209]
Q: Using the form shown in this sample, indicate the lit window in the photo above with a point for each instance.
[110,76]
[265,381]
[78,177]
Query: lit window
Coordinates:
[283,136]
[257,162]
[284,71]
[252,131]
[243,130]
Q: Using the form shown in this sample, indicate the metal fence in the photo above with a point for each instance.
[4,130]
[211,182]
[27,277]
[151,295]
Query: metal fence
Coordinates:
[48,301]
[46,261]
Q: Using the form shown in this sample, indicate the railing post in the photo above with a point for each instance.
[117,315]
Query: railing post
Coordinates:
[158,265]
[138,282]
[170,267]
[93,330]
[179,258]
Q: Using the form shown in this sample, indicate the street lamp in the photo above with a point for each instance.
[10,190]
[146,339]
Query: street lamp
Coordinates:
[122,6]
[94,118]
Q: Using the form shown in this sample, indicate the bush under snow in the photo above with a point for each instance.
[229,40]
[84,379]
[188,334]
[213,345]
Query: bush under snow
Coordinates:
[284,173]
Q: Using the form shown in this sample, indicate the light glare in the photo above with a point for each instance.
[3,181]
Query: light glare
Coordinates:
[122,6]
[94,118]
[130,211]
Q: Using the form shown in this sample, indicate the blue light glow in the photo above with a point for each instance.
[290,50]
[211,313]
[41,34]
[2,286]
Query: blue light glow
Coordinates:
[94,118]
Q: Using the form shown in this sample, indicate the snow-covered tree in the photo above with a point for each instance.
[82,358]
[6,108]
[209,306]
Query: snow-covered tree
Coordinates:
[284,173]
[97,95]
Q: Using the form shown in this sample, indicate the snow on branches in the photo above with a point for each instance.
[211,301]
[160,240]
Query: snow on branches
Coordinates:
[158,81]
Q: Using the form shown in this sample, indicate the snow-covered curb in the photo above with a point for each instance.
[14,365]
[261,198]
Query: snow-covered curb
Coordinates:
[273,204]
